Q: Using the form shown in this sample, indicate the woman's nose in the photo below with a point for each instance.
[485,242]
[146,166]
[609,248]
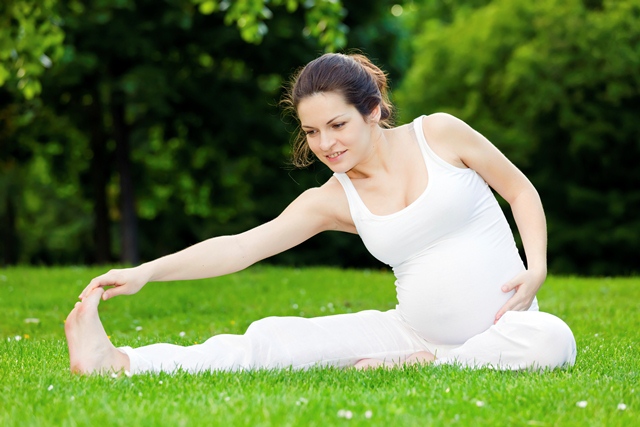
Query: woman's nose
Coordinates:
[326,141]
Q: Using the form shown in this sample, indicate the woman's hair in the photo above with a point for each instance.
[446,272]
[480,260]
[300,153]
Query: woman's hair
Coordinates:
[354,76]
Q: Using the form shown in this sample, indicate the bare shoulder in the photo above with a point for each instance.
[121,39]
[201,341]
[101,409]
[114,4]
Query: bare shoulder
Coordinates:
[443,123]
[328,203]
[451,138]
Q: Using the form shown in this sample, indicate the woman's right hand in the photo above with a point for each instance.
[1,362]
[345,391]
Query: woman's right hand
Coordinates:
[125,281]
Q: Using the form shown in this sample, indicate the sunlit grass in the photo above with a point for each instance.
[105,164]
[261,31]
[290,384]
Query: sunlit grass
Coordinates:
[37,389]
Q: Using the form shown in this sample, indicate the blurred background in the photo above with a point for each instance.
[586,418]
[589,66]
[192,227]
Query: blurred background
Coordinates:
[130,129]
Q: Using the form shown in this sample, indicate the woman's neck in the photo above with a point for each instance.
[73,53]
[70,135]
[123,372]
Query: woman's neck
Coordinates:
[380,159]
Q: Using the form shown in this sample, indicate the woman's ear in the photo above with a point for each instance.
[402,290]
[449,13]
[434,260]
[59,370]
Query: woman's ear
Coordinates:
[376,113]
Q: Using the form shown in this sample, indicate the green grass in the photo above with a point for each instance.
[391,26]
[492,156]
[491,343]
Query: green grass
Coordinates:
[37,389]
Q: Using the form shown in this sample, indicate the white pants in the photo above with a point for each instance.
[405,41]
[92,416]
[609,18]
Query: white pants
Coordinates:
[520,340]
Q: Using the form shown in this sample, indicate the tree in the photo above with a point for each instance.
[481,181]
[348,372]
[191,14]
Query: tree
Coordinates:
[195,102]
[99,84]
[555,85]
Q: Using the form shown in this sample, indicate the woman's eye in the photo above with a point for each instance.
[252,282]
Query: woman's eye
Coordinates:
[338,125]
[309,132]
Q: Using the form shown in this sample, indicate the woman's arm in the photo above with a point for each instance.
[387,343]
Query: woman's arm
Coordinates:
[309,214]
[459,144]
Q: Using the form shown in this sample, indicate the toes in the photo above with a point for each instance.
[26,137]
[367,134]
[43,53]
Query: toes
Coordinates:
[93,299]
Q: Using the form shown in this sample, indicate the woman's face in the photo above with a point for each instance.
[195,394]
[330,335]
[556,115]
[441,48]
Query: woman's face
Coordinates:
[336,131]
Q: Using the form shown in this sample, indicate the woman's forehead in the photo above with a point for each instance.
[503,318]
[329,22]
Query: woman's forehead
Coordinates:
[322,107]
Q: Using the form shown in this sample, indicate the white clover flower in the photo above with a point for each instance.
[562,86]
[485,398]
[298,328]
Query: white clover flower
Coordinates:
[294,306]
[138,328]
[17,338]
[182,334]
[621,406]
[127,374]
[368,414]
[479,403]
[160,382]
[50,387]
[114,375]
[345,413]
[582,404]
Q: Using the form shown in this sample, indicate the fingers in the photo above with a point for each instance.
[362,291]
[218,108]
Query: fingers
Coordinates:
[502,311]
[509,306]
[518,302]
[111,278]
[512,284]
[95,283]
[114,292]
[525,291]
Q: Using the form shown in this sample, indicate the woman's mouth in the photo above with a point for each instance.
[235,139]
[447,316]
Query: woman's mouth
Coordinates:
[335,155]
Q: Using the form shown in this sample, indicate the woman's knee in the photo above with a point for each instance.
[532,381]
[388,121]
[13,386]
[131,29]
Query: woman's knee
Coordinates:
[560,342]
[270,341]
[552,342]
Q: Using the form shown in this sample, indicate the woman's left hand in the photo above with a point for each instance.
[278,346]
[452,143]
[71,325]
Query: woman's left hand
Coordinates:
[526,285]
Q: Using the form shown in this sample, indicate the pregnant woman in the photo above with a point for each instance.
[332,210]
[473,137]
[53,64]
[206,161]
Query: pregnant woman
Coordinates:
[419,196]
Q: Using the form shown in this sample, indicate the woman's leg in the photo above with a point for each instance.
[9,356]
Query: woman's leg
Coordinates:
[520,340]
[282,342]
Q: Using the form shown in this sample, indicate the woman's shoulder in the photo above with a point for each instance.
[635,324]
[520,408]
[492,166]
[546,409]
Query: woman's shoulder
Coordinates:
[447,136]
[330,201]
[443,123]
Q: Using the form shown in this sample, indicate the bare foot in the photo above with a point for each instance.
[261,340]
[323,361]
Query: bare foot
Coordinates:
[372,364]
[421,357]
[90,350]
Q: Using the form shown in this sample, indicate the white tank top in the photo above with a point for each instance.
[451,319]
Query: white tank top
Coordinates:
[451,250]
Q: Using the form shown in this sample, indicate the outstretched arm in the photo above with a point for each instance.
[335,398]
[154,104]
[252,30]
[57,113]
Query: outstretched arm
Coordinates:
[460,143]
[306,216]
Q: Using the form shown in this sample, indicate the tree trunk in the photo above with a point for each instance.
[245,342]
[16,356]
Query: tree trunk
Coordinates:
[10,238]
[128,220]
[99,172]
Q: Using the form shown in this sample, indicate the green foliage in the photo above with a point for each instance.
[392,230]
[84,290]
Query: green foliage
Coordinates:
[555,85]
[30,41]
[37,388]
[32,32]
[323,18]
[207,148]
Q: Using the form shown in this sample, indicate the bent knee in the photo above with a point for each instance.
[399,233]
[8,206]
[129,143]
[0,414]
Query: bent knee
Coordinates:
[560,343]
[552,344]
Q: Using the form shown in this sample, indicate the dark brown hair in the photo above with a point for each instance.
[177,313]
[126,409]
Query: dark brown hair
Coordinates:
[362,84]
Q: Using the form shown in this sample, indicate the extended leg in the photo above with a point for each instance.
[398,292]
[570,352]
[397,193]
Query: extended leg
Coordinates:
[90,350]
[281,342]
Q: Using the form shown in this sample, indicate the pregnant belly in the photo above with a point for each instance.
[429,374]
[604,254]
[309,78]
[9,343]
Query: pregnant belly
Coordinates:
[450,320]
[456,306]
[452,292]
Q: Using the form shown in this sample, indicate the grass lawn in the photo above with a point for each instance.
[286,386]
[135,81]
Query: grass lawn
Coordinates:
[36,388]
